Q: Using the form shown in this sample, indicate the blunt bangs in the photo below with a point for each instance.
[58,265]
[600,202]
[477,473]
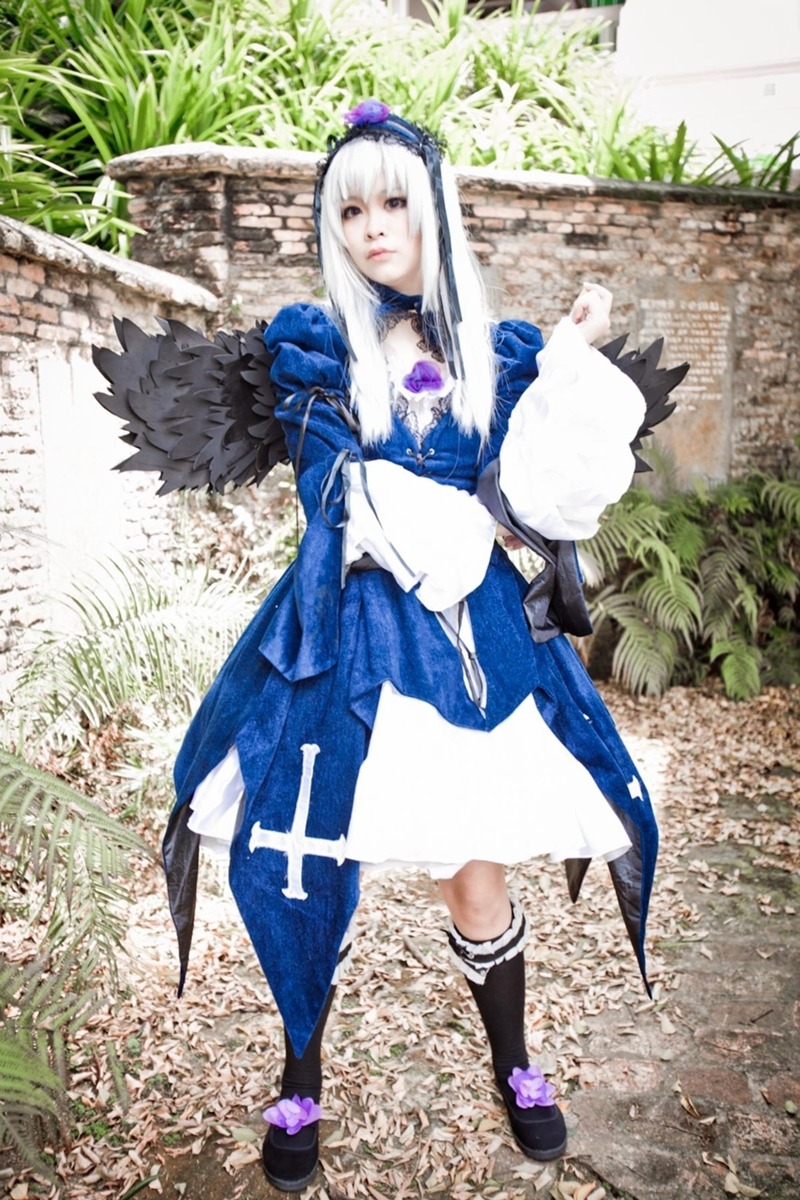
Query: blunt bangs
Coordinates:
[358,167]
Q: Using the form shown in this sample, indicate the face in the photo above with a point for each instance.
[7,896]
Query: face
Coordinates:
[377,238]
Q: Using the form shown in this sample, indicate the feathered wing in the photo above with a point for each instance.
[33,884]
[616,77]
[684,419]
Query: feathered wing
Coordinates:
[654,382]
[201,413]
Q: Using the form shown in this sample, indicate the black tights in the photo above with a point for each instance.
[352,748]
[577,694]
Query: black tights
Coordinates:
[501,1003]
[500,1000]
[303,1076]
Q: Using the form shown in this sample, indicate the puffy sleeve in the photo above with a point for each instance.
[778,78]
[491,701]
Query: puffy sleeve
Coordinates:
[566,451]
[516,345]
[309,375]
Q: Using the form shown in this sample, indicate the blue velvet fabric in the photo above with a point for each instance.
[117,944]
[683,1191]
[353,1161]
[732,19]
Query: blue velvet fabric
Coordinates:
[310,666]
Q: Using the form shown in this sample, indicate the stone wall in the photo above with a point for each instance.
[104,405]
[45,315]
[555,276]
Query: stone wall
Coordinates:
[61,506]
[714,270]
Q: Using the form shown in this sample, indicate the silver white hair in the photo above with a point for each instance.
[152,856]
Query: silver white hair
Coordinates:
[355,171]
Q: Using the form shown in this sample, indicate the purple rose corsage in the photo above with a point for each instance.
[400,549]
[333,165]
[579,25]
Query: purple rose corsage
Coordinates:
[368,112]
[531,1088]
[293,1115]
[423,377]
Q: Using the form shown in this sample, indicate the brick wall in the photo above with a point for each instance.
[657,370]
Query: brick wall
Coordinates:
[61,507]
[715,270]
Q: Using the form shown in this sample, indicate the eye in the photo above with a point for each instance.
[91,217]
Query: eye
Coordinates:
[349,211]
[396,202]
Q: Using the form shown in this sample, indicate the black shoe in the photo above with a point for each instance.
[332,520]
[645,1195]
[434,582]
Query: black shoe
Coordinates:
[540,1131]
[290,1160]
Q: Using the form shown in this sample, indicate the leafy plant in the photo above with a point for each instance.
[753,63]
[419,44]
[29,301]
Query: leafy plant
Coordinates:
[63,860]
[733,166]
[702,580]
[145,636]
[83,82]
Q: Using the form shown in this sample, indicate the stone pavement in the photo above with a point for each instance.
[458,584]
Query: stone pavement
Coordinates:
[698,1103]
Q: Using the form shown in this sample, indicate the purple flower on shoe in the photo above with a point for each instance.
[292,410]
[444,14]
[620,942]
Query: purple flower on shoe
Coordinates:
[292,1115]
[423,377]
[368,112]
[531,1088]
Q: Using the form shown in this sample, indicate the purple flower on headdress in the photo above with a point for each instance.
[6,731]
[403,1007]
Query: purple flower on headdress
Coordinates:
[531,1088]
[292,1115]
[423,377]
[368,112]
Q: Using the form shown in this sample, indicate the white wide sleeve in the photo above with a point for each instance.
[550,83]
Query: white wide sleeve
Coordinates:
[426,533]
[567,453]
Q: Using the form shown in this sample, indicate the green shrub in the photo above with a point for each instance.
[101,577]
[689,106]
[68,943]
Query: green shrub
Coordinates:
[63,862]
[82,81]
[706,580]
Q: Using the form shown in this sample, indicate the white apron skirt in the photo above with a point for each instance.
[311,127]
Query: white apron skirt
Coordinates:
[433,795]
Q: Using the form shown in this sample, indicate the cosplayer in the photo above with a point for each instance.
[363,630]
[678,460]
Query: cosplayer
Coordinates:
[403,696]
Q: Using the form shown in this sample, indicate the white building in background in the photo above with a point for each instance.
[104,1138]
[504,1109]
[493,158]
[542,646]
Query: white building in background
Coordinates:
[726,67]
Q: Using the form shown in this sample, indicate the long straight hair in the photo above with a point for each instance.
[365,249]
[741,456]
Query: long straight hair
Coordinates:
[355,172]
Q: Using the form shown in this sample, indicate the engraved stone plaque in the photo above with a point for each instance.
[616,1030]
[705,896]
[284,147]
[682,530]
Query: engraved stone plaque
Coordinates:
[696,322]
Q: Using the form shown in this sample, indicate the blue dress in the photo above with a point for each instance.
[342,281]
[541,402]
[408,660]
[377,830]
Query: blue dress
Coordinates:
[309,669]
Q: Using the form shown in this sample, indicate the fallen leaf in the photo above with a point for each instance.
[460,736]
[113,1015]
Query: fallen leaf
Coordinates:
[688,1104]
[790,1107]
[243,1133]
[240,1158]
[731,1184]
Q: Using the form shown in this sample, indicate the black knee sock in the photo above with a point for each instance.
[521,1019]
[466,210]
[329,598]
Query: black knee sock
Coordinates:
[501,1003]
[303,1076]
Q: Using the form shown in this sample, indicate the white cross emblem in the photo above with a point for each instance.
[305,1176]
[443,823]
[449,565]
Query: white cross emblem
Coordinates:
[296,843]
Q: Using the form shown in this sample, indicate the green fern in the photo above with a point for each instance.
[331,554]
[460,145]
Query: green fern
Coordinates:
[47,1010]
[702,580]
[62,837]
[146,635]
[65,859]
[644,658]
[781,497]
[672,603]
[622,528]
[25,1080]
[687,537]
[740,667]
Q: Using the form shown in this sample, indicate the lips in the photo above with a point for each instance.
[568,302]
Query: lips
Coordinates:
[378,253]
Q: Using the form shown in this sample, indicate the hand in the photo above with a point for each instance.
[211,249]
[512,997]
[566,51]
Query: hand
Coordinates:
[592,310]
[507,538]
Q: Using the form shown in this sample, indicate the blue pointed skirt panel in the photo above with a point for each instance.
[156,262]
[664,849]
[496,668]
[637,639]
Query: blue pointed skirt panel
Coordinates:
[574,710]
[299,757]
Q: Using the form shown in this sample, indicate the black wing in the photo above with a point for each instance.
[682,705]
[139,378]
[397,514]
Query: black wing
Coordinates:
[654,382]
[200,412]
